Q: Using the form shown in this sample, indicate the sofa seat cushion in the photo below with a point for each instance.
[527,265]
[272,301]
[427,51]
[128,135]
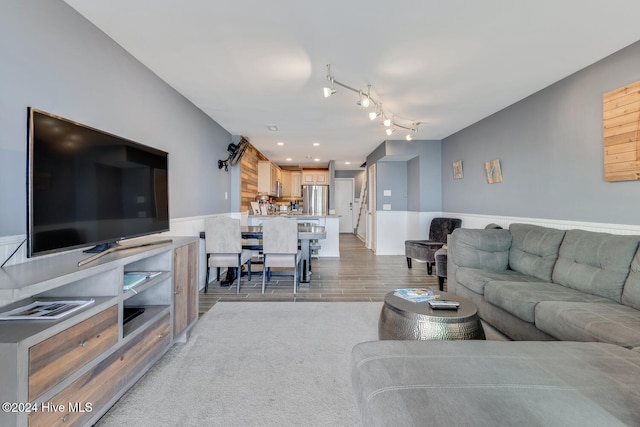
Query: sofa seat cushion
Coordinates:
[534,250]
[520,298]
[596,263]
[490,383]
[576,321]
[475,279]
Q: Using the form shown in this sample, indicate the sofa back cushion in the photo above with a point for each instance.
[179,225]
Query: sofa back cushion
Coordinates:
[596,263]
[534,250]
[631,292]
[485,249]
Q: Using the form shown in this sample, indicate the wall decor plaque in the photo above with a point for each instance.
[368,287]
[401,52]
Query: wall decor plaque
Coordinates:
[621,129]
[492,171]
[457,169]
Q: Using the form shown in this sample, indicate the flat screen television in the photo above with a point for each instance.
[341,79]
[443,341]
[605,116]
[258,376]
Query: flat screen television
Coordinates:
[87,187]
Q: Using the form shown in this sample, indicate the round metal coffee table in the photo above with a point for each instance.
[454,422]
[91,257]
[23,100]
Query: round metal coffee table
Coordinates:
[405,320]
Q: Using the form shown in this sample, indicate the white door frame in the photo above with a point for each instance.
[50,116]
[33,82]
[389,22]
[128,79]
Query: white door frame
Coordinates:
[371,209]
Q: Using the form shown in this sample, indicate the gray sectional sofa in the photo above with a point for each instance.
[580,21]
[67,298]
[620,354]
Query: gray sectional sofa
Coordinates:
[571,300]
[537,283]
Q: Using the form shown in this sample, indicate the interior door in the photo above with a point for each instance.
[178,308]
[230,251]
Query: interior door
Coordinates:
[344,194]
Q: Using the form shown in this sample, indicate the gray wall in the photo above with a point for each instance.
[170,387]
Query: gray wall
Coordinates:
[391,176]
[416,165]
[551,150]
[52,59]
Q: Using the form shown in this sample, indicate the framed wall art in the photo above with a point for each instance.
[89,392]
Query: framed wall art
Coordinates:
[457,169]
[492,171]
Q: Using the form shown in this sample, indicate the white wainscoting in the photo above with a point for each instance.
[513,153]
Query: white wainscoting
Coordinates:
[394,227]
[391,232]
[480,221]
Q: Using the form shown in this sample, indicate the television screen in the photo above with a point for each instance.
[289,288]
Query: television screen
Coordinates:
[87,187]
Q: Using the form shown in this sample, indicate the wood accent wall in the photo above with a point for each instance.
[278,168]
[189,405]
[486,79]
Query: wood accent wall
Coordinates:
[621,120]
[249,176]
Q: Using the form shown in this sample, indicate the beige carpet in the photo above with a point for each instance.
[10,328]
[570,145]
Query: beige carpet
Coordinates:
[255,364]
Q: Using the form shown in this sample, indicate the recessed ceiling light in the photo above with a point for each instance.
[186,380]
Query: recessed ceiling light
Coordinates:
[347,163]
[272,128]
[316,160]
[280,143]
[315,144]
[288,159]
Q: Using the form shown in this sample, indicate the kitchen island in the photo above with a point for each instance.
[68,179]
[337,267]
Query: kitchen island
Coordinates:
[330,247]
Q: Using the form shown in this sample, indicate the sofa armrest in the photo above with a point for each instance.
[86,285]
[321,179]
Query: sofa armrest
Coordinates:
[480,248]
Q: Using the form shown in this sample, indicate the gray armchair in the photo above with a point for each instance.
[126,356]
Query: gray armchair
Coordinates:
[425,250]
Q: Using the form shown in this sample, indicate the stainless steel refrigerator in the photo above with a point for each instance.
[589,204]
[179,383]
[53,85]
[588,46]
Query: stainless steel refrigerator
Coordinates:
[315,199]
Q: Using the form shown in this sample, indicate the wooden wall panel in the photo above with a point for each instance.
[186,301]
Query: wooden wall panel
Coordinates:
[621,122]
[249,177]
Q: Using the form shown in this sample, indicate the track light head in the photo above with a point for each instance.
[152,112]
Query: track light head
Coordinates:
[328,91]
[409,137]
[390,131]
[386,122]
[373,115]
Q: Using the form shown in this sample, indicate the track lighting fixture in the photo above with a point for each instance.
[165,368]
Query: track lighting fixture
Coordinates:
[366,101]
[409,136]
[328,91]
[375,114]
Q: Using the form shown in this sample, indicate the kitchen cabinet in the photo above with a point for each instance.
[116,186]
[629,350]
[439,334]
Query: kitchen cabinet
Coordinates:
[269,174]
[291,183]
[315,177]
[296,184]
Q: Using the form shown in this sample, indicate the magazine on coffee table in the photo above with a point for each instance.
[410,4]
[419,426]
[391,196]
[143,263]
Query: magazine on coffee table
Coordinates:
[416,294]
[45,310]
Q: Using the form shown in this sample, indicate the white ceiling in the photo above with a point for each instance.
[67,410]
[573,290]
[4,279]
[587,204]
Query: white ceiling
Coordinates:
[253,63]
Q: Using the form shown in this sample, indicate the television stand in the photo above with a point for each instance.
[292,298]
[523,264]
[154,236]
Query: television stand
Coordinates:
[101,248]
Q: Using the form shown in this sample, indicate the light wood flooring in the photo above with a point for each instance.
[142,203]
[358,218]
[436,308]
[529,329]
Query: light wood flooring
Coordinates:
[358,275]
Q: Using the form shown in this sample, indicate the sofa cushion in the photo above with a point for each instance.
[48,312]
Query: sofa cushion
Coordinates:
[475,278]
[596,263]
[520,298]
[490,383]
[486,249]
[534,250]
[631,291]
[577,321]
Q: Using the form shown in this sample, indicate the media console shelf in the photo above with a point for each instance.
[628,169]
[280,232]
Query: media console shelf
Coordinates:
[70,371]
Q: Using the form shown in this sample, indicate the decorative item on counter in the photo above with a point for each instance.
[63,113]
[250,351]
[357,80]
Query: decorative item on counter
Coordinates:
[265,206]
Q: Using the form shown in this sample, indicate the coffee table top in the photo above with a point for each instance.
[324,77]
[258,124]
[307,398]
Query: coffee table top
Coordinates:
[466,308]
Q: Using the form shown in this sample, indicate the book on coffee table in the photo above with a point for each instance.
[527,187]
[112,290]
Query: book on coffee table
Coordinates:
[416,294]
